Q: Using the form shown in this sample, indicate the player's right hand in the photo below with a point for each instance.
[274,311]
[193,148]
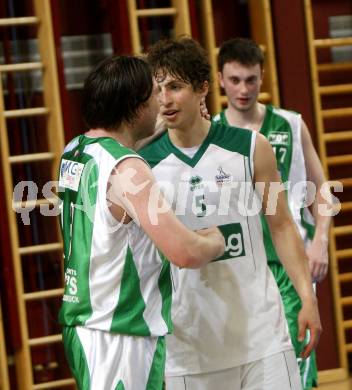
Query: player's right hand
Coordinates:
[214,234]
[309,318]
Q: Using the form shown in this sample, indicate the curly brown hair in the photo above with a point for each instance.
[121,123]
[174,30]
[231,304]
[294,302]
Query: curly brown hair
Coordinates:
[183,58]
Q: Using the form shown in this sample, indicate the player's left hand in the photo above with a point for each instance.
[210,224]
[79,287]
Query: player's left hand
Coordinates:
[308,318]
[318,257]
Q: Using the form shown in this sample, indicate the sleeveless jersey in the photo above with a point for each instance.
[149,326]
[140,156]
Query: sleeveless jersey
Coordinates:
[115,279]
[229,312]
[282,128]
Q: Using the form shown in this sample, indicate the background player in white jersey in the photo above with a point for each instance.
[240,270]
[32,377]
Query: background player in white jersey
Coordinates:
[117,297]
[240,64]
[229,325]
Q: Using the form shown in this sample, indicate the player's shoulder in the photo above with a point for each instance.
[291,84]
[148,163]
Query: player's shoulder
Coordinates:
[157,150]
[111,148]
[278,121]
[284,112]
[232,138]
[72,144]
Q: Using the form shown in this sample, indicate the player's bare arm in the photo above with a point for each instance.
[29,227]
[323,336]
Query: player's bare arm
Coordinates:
[318,250]
[288,243]
[136,192]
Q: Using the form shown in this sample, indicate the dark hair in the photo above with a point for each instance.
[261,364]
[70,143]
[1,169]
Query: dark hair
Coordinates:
[182,58]
[115,90]
[242,50]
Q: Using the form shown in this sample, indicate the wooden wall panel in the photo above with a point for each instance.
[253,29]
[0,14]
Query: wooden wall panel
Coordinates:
[296,93]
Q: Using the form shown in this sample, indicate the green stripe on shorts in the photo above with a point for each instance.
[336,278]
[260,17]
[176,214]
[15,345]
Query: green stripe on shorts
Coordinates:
[76,357]
[292,305]
[157,369]
[120,386]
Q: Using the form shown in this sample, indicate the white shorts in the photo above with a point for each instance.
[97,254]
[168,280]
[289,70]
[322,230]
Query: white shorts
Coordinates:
[276,372]
[102,360]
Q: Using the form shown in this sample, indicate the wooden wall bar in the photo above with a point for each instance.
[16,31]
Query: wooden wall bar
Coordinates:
[296,93]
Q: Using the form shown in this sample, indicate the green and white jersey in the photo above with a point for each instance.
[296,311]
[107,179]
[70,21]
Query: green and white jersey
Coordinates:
[282,128]
[229,312]
[115,279]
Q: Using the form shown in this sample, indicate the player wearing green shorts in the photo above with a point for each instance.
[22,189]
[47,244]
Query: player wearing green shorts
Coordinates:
[116,305]
[241,70]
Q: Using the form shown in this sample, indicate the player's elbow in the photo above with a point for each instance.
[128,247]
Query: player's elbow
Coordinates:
[187,259]
[197,250]
[199,254]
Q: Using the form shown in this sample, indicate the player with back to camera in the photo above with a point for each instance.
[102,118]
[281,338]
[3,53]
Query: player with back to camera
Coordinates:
[117,297]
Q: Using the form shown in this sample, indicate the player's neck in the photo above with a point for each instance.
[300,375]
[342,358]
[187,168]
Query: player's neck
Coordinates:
[191,136]
[251,119]
[122,135]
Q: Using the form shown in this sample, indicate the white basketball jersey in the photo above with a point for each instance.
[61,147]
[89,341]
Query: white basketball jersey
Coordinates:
[229,312]
[115,278]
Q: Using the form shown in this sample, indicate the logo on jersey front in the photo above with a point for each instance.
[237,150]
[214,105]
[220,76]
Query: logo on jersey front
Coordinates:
[195,182]
[233,235]
[71,288]
[279,138]
[222,177]
[70,174]
[196,185]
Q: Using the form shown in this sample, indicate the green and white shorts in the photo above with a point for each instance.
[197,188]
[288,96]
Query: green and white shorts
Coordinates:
[276,372]
[103,360]
[292,305]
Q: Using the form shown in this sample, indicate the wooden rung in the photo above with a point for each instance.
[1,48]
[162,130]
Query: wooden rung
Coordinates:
[29,250]
[43,294]
[339,160]
[335,89]
[30,204]
[334,67]
[346,277]
[21,67]
[347,324]
[343,253]
[54,384]
[342,230]
[346,206]
[151,12]
[346,182]
[24,158]
[331,42]
[56,338]
[348,347]
[4,22]
[223,100]
[264,97]
[346,301]
[336,112]
[338,136]
[26,112]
